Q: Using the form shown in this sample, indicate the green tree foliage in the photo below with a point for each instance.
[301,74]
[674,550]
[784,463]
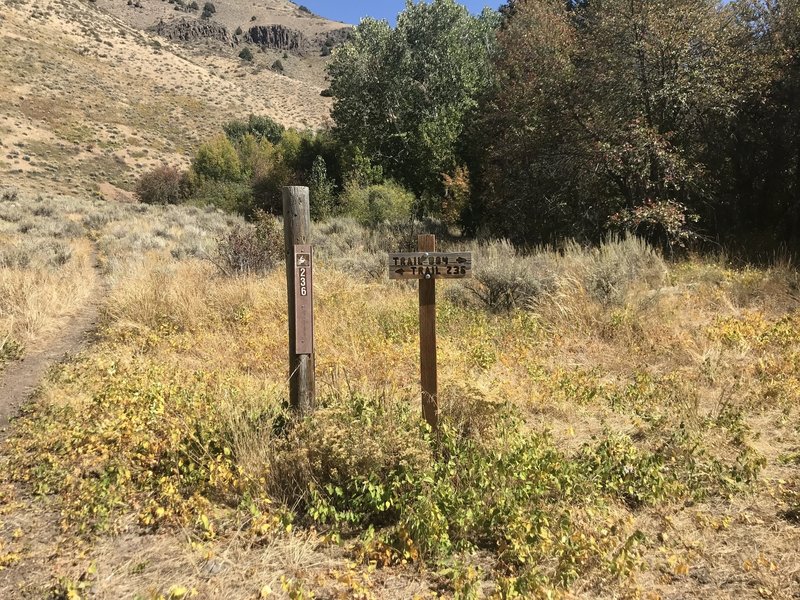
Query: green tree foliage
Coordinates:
[602,108]
[244,170]
[281,172]
[218,160]
[256,155]
[402,96]
[321,190]
[374,205]
[764,196]
[359,168]
[230,196]
[257,125]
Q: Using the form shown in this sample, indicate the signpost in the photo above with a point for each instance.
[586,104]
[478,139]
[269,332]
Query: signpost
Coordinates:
[299,285]
[427,265]
[430,265]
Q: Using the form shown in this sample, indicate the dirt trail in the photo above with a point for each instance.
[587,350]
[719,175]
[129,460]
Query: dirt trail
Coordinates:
[21,378]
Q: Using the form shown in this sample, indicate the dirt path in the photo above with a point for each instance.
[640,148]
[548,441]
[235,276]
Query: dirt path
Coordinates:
[21,378]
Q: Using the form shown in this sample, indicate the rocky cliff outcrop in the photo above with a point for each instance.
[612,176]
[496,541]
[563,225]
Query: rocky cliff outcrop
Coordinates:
[277,37]
[334,37]
[189,30]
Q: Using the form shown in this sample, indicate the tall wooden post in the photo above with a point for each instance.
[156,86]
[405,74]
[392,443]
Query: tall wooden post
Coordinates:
[297,239]
[427,338]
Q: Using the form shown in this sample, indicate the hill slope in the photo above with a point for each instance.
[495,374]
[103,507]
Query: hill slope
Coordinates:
[88,101]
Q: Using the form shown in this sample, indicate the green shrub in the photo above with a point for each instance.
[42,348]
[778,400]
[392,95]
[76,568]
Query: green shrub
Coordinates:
[10,196]
[258,126]
[503,279]
[362,465]
[10,350]
[162,185]
[328,462]
[280,172]
[218,160]
[256,155]
[290,147]
[246,54]
[266,188]
[208,10]
[617,266]
[238,31]
[236,130]
[251,249]
[277,66]
[262,126]
[375,204]
[619,469]
[230,196]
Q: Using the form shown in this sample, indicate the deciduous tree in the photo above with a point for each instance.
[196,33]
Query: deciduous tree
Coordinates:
[608,106]
[402,96]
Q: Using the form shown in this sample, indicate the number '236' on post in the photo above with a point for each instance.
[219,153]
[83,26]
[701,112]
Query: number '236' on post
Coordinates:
[303,293]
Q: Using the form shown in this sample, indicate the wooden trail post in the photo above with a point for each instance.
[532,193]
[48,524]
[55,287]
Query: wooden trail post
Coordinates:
[427,339]
[427,265]
[299,285]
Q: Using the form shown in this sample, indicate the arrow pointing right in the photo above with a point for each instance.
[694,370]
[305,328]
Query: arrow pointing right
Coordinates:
[461,260]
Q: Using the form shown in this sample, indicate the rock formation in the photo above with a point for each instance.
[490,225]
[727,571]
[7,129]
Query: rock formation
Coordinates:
[277,37]
[189,30]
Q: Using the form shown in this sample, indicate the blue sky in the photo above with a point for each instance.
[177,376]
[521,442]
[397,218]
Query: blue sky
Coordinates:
[351,11]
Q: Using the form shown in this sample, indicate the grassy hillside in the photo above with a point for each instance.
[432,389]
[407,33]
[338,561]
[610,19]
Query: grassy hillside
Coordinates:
[88,103]
[616,426]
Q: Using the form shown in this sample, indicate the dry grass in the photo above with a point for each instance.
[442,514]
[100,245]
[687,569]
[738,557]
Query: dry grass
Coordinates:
[54,250]
[614,340]
[46,272]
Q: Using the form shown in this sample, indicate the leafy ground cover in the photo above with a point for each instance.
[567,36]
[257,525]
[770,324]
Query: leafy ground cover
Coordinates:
[615,426]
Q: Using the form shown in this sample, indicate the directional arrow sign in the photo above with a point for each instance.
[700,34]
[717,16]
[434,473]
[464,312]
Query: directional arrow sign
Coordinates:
[430,265]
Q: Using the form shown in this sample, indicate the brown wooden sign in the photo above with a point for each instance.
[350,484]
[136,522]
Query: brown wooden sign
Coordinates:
[430,265]
[303,294]
[427,266]
[299,296]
